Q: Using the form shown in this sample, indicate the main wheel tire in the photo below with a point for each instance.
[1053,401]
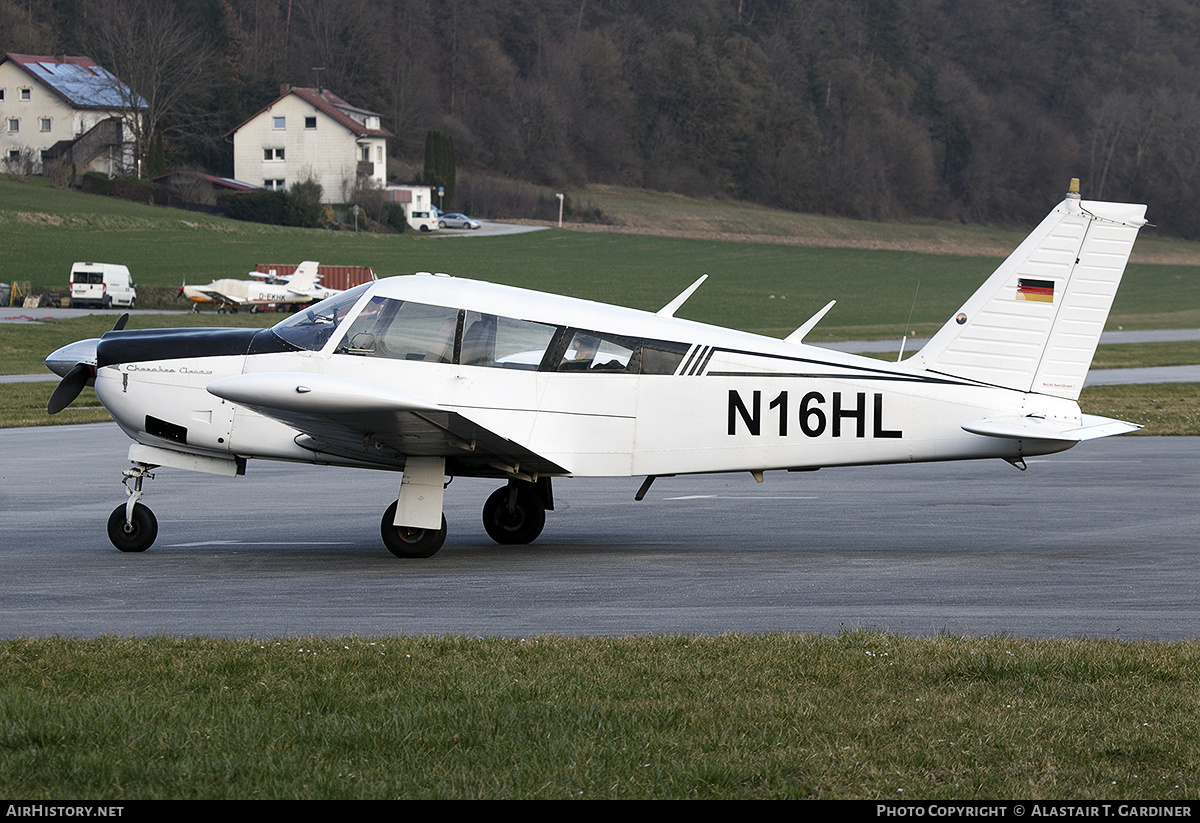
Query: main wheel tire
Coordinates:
[521,525]
[136,536]
[404,541]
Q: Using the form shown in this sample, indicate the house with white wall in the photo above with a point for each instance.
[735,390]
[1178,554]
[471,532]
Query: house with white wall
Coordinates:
[311,134]
[68,108]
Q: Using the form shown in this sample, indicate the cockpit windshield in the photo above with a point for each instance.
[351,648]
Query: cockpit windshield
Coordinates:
[312,327]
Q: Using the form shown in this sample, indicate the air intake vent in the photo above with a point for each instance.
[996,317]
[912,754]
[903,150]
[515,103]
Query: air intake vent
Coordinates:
[165,430]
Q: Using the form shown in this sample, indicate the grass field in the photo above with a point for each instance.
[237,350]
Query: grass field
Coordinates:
[858,715]
[769,288]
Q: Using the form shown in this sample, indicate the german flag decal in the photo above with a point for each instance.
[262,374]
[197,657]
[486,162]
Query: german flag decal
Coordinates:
[1040,291]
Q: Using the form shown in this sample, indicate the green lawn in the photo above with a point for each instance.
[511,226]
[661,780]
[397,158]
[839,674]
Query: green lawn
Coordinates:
[762,287]
[857,715]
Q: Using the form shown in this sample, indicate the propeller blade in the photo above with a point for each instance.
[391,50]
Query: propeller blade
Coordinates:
[121,321]
[69,388]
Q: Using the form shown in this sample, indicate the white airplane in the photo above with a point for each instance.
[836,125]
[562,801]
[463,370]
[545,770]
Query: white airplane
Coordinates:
[297,288]
[437,376]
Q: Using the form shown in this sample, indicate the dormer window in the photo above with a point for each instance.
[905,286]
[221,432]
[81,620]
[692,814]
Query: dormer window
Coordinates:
[279,123]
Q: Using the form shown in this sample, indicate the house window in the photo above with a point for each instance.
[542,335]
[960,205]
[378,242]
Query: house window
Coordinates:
[272,154]
[14,125]
[25,93]
[366,154]
[273,185]
[14,155]
[279,123]
[310,122]
[45,124]
[1,95]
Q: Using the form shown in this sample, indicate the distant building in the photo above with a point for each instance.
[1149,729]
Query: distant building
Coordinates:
[418,205]
[311,134]
[67,109]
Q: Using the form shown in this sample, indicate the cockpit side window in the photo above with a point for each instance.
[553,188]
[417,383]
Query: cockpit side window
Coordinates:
[401,330]
[504,342]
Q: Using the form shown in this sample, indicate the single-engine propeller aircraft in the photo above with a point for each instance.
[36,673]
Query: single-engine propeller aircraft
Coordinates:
[297,288]
[437,376]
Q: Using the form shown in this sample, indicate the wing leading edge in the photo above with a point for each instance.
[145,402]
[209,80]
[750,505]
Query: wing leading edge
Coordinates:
[374,425]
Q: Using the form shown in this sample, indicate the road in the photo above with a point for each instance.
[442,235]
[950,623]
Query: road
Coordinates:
[1098,541]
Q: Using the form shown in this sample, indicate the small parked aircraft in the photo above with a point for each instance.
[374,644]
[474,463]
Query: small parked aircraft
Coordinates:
[438,376]
[300,287]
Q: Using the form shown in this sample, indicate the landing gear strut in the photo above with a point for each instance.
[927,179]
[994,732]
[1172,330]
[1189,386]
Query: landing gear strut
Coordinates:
[516,514]
[132,527]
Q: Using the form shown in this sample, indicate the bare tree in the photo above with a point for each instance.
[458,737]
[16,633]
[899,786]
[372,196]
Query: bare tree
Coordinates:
[160,58]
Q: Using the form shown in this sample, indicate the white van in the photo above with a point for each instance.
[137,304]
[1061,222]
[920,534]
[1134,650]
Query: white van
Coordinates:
[102,285]
[422,220]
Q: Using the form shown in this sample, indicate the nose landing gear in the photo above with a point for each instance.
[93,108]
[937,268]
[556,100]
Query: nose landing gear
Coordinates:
[132,527]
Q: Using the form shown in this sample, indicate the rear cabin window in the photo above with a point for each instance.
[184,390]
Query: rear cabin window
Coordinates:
[93,278]
[594,352]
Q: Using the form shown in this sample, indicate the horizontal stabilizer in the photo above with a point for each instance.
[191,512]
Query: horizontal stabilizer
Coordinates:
[1039,428]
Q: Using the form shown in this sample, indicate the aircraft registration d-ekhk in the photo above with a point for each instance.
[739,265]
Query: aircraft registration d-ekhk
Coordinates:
[437,376]
[297,288]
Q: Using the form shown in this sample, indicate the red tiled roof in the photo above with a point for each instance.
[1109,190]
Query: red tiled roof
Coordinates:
[332,106]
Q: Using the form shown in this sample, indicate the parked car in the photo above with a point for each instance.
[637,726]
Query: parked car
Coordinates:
[101,285]
[454,220]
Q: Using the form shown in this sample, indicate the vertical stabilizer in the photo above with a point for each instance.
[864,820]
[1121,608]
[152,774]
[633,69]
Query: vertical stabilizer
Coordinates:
[1034,325]
[305,277]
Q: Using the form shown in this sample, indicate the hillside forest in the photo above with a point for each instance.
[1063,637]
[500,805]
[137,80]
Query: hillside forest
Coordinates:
[876,109]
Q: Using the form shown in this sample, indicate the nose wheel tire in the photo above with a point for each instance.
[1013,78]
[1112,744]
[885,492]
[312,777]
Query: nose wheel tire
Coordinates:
[136,536]
[514,521]
[405,541]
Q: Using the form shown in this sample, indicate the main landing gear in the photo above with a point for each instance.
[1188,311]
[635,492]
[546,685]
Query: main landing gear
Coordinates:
[513,515]
[132,527]
[406,541]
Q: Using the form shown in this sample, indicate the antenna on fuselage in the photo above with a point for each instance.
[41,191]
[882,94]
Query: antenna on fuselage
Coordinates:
[908,325]
[798,335]
[672,307]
